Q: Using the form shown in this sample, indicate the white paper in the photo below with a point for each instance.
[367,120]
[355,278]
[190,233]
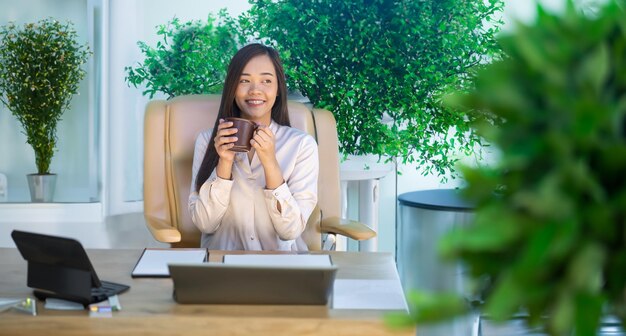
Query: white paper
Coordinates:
[290,260]
[154,262]
[368,294]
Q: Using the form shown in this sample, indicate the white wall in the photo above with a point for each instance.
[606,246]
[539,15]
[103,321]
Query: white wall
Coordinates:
[131,21]
[525,10]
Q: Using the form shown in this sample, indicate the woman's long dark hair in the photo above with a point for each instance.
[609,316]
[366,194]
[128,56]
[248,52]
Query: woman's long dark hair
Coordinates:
[228,107]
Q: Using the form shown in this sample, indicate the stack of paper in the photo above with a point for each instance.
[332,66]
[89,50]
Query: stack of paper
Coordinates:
[287,260]
[368,294]
[153,262]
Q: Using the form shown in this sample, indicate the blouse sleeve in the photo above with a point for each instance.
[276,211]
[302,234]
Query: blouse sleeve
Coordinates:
[297,196]
[208,205]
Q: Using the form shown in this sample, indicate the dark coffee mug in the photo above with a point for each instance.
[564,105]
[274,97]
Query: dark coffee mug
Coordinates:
[245,132]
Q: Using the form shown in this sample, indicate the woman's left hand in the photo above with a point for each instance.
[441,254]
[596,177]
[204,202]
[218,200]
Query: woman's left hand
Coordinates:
[263,143]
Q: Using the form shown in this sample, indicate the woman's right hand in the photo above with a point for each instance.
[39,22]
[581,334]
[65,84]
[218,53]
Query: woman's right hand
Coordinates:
[224,140]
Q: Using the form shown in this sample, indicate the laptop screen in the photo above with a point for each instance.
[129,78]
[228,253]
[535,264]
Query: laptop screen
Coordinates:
[213,283]
[57,252]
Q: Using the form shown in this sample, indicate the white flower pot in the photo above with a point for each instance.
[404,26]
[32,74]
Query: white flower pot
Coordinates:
[41,187]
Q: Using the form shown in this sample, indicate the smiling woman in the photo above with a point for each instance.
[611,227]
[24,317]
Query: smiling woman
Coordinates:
[257,90]
[260,200]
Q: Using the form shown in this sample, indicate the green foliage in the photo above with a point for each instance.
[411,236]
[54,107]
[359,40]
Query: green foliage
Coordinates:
[552,241]
[363,60]
[40,68]
[431,307]
[192,57]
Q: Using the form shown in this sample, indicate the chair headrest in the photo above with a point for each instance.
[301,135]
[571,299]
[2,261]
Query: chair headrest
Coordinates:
[189,115]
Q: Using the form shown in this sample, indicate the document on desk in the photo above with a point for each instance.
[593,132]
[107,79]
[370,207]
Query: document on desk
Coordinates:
[153,262]
[268,260]
[368,294]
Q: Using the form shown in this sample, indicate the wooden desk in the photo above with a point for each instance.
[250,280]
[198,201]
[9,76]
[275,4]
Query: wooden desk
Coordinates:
[148,307]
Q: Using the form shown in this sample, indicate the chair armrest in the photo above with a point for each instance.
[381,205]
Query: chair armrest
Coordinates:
[162,231]
[348,228]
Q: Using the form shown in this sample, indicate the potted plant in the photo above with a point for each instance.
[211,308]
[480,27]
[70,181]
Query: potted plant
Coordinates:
[380,68]
[40,68]
[191,58]
[549,235]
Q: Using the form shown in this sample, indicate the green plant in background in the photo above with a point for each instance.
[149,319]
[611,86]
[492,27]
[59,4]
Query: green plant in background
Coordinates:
[192,57]
[551,242]
[40,68]
[367,60]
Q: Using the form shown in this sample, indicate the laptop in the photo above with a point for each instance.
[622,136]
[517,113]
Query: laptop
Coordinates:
[60,268]
[216,283]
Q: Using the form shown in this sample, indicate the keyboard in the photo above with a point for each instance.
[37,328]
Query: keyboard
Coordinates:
[108,289]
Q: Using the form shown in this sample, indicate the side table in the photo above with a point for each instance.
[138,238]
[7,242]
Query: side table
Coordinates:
[353,170]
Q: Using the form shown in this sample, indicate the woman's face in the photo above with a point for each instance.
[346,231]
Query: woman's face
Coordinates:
[257,90]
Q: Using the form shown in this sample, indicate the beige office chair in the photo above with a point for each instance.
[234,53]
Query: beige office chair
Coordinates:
[170,130]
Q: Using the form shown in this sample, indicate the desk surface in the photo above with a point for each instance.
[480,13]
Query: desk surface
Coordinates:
[148,307]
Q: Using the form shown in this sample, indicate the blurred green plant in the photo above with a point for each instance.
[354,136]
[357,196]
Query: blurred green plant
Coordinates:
[384,59]
[549,235]
[191,58]
[40,68]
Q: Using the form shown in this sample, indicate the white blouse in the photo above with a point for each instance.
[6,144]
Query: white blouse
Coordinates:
[240,214]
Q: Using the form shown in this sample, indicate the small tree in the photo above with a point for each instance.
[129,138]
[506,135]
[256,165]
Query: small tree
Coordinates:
[192,57]
[40,68]
[549,235]
[364,60]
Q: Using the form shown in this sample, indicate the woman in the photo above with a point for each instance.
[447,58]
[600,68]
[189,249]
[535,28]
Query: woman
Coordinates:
[260,200]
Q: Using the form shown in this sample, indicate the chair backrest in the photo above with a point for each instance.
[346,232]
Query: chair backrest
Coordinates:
[170,131]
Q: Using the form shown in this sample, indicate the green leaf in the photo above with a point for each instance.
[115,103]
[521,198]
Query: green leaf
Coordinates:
[399,320]
[435,307]
[489,232]
[563,314]
[595,68]
[586,268]
[506,299]
[588,312]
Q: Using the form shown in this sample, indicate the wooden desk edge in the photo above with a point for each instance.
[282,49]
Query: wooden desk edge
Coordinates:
[195,325]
